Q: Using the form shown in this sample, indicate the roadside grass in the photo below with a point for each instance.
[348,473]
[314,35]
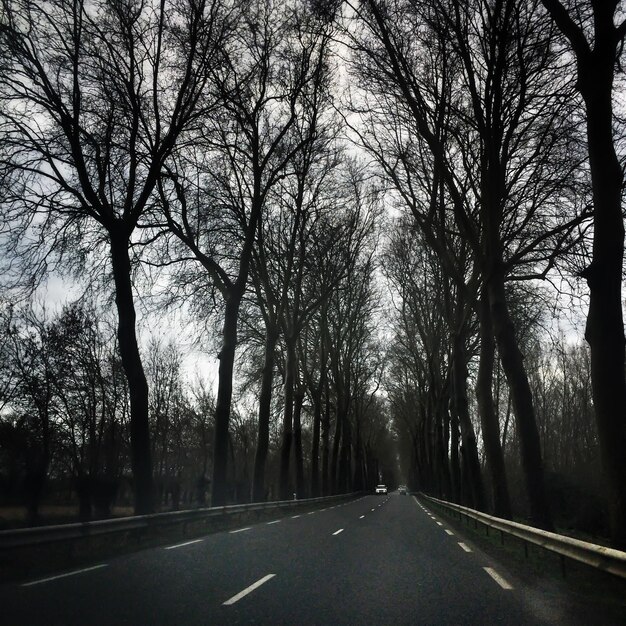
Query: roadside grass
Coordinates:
[17,516]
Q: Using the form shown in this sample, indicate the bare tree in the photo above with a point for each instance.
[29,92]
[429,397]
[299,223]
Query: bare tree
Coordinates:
[218,187]
[350,336]
[84,353]
[502,140]
[297,214]
[93,98]
[28,354]
[596,37]
[339,225]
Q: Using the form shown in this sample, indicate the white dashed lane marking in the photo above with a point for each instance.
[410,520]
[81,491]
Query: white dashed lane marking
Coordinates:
[503,583]
[449,532]
[276,521]
[239,530]
[248,590]
[180,545]
[466,548]
[338,531]
[362,516]
[74,573]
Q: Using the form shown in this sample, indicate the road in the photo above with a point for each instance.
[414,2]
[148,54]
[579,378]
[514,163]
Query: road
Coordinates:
[375,560]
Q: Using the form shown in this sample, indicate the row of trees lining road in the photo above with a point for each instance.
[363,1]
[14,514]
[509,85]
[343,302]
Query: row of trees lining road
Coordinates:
[65,432]
[596,42]
[200,151]
[472,114]
[197,140]
[95,96]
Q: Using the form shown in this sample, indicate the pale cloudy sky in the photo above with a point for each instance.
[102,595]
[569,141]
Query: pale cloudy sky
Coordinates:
[198,360]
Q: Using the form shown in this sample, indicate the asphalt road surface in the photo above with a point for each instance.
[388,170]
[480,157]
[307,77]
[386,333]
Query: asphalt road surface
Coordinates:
[375,560]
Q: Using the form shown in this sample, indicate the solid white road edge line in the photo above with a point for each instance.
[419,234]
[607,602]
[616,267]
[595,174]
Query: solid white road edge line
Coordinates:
[186,543]
[248,590]
[503,583]
[240,530]
[338,531]
[466,548]
[78,571]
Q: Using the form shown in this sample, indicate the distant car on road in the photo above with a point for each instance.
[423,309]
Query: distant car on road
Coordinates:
[381,489]
[402,490]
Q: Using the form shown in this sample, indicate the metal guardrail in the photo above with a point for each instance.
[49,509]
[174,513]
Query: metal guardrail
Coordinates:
[22,537]
[599,557]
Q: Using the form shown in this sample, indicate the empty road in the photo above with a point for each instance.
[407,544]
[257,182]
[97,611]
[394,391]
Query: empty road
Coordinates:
[375,560]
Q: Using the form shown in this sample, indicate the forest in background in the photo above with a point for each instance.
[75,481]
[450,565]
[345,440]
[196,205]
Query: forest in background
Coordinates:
[373,212]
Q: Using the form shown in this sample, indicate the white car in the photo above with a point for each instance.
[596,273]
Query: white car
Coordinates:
[381,489]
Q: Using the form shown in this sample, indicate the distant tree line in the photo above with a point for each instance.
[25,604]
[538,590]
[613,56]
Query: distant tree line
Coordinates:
[65,423]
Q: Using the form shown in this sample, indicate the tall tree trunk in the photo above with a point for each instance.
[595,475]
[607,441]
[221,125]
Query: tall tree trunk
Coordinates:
[432,457]
[141,461]
[344,478]
[285,451]
[415,478]
[494,176]
[596,64]
[219,493]
[488,417]
[422,455]
[455,465]
[297,443]
[513,365]
[444,444]
[315,447]
[334,461]
[358,482]
[326,441]
[265,401]
[605,324]
[471,462]
[317,412]
[345,453]
[440,455]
